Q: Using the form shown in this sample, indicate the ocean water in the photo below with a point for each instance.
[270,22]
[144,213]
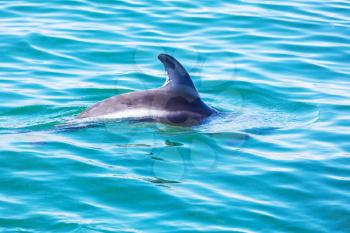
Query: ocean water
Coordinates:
[275,160]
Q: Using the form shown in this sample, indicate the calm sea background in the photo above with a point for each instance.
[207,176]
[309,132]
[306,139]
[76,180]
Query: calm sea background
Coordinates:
[276,160]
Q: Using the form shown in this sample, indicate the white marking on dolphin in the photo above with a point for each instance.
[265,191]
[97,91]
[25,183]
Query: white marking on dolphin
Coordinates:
[177,102]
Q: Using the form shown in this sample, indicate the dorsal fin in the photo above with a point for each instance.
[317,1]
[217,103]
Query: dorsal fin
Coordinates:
[177,75]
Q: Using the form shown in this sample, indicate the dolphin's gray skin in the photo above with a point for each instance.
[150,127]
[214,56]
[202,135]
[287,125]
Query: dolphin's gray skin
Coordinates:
[177,102]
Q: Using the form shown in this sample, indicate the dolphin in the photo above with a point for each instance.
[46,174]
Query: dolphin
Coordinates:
[177,102]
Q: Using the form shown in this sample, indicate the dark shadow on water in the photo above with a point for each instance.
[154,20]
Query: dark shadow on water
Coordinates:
[162,182]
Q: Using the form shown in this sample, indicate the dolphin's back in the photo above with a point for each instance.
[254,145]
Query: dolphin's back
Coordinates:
[176,102]
[118,103]
[159,104]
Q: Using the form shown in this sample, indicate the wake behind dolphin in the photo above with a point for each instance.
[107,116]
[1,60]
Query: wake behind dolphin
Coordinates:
[177,102]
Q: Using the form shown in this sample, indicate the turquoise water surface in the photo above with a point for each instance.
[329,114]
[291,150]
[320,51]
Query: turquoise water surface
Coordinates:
[275,160]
